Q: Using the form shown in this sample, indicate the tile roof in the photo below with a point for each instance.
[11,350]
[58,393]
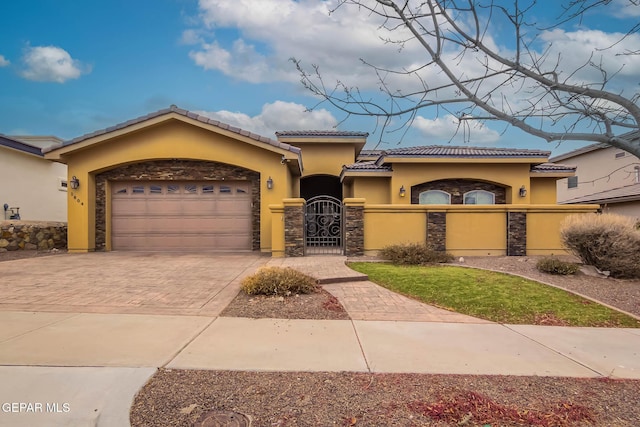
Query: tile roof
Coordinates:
[553,167]
[20,146]
[185,113]
[371,152]
[463,151]
[621,194]
[321,133]
[367,167]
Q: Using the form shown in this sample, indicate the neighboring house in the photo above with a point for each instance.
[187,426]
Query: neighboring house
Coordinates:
[174,180]
[605,175]
[31,185]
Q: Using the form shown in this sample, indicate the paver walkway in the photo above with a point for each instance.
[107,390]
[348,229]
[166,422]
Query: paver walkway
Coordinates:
[363,299]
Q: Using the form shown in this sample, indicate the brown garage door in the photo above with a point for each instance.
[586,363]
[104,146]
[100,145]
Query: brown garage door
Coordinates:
[167,216]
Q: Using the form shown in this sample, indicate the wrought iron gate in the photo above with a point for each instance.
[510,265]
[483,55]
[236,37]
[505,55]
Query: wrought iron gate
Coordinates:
[323,226]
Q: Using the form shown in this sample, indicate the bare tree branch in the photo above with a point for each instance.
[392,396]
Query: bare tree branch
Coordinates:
[525,87]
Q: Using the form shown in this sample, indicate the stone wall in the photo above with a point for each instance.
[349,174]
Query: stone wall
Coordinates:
[354,230]
[516,233]
[457,188]
[32,235]
[294,229]
[176,170]
[437,230]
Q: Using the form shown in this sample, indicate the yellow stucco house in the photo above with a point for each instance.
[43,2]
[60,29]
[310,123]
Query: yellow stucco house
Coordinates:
[174,180]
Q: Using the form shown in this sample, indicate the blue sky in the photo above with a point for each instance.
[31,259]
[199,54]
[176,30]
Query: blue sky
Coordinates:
[68,68]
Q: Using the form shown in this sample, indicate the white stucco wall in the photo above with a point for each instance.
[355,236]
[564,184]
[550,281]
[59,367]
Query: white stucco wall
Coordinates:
[32,184]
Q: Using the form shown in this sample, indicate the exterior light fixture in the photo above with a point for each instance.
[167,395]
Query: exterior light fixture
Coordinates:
[523,191]
[269,183]
[403,192]
[74,183]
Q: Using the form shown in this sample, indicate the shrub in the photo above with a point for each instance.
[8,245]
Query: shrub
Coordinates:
[608,242]
[278,281]
[414,254]
[556,266]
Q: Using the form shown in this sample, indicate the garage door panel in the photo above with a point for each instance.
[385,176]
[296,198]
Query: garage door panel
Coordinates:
[219,225]
[132,207]
[229,242]
[130,225]
[181,216]
[198,207]
[163,207]
[230,207]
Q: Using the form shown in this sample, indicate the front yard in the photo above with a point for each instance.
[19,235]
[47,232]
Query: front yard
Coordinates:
[494,296]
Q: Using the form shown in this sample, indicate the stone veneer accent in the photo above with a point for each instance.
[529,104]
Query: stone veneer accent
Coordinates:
[294,229]
[516,233]
[176,170]
[437,230]
[353,230]
[457,188]
[32,235]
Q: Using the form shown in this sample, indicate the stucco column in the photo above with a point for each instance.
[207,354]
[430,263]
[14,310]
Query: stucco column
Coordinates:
[437,230]
[293,227]
[516,233]
[277,230]
[354,227]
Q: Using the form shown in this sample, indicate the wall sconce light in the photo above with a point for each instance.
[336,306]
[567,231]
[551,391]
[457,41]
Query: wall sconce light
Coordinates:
[269,183]
[75,183]
[403,192]
[523,191]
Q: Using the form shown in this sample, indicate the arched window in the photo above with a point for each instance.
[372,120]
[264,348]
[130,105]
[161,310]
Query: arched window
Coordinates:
[434,197]
[479,197]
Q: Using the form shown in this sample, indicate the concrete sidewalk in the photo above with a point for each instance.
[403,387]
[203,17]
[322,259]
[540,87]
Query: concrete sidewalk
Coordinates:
[95,362]
[116,340]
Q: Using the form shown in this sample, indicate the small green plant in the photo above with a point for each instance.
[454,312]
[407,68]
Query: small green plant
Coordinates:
[608,242]
[556,266]
[278,281]
[414,254]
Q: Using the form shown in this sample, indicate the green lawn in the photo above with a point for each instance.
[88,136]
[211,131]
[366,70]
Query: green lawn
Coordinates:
[492,296]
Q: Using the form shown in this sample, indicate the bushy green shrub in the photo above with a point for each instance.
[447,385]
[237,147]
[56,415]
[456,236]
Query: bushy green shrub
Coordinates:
[414,254]
[608,242]
[556,266]
[278,281]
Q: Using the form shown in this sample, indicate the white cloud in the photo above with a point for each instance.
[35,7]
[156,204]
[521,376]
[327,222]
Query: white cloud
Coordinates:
[267,33]
[276,116]
[242,62]
[253,40]
[51,64]
[191,36]
[446,129]
[624,9]
[3,61]
[598,47]
[273,31]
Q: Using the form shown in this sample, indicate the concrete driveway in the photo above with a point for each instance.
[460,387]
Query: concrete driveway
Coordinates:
[125,282]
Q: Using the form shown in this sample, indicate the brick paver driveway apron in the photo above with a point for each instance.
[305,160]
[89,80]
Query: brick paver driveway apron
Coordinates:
[126,282]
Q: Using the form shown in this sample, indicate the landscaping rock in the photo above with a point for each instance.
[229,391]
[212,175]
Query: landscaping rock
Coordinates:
[30,235]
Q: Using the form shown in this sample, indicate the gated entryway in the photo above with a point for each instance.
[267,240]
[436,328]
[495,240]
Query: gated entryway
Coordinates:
[323,226]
